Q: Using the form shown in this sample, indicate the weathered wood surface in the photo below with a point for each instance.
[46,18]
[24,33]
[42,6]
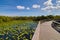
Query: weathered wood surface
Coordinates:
[37,32]
[44,31]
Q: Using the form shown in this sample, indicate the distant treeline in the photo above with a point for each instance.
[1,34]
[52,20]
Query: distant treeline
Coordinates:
[34,18]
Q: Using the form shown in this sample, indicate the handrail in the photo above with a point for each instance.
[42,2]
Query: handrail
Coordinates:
[56,22]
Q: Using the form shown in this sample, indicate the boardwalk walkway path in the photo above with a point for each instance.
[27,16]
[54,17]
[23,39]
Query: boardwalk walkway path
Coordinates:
[44,31]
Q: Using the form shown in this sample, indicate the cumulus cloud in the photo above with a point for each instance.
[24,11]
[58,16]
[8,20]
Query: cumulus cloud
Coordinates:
[58,7]
[28,8]
[48,3]
[36,6]
[58,4]
[50,6]
[20,7]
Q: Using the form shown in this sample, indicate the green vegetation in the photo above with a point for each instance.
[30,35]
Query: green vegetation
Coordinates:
[17,30]
[33,18]
[20,28]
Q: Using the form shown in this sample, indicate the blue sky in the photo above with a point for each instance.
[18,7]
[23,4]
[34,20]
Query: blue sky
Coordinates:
[29,7]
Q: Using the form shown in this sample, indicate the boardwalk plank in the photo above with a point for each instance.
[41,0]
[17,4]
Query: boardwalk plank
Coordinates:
[46,32]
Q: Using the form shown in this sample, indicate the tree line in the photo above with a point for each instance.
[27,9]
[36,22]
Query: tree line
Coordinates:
[34,18]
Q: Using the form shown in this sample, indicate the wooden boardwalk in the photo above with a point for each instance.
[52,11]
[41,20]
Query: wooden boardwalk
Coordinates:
[37,32]
[44,31]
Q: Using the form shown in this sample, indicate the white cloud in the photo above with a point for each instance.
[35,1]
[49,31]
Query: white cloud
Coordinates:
[58,1]
[57,7]
[20,7]
[28,8]
[36,6]
[50,6]
[48,3]
[58,4]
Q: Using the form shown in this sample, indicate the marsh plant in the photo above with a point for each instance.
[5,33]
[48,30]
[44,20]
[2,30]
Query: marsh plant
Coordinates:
[17,30]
